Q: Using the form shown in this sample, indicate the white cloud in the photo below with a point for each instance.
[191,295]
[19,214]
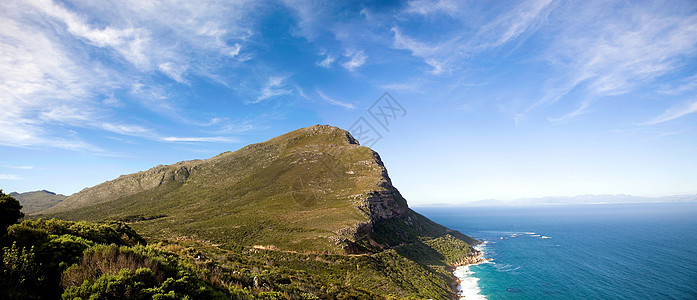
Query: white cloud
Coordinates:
[598,50]
[17,167]
[426,7]
[582,109]
[126,129]
[675,112]
[173,70]
[130,42]
[62,67]
[416,48]
[233,50]
[9,177]
[450,51]
[515,23]
[413,86]
[308,16]
[358,58]
[216,139]
[326,62]
[142,132]
[332,101]
[66,114]
[274,87]
[685,85]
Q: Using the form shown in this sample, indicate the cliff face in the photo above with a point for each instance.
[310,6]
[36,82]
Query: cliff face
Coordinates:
[311,189]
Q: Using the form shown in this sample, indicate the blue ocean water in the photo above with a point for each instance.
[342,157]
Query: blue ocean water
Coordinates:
[623,251]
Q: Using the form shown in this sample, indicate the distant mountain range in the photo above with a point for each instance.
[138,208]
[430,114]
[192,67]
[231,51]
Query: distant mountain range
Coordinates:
[37,200]
[584,199]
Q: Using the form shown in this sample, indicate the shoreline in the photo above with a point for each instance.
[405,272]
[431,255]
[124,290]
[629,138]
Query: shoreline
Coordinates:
[466,285]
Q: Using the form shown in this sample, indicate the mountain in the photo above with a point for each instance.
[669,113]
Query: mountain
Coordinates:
[311,190]
[37,200]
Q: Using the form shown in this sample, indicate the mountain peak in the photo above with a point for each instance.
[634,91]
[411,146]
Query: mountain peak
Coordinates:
[318,134]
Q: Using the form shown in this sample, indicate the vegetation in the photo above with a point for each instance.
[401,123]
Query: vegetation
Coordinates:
[48,259]
[306,215]
[10,212]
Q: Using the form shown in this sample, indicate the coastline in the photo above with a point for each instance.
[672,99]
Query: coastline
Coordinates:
[467,287]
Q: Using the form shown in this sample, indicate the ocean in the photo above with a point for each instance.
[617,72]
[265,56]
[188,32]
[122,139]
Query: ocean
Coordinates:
[611,251]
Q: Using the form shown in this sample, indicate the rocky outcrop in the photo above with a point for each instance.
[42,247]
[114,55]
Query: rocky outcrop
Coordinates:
[476,257]
[385,204]
[385,201]
[126,185]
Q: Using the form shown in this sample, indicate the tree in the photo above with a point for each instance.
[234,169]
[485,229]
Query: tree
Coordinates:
[10,212]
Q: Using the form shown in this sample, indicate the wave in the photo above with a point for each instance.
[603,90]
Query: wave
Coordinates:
[468,287]
[506,268]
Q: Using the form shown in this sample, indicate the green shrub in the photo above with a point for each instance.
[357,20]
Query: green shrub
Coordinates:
[20,273]
[139,272]
[102,233]
[10,212]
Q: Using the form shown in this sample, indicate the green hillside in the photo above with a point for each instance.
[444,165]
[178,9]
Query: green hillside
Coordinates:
[311,204]
[313,189]
[37,200]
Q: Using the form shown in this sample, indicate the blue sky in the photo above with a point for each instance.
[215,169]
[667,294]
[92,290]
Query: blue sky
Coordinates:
[503,99]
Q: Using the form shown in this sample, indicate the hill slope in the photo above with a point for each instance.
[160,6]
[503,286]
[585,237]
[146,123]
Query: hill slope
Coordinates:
[37,200]
[313,189]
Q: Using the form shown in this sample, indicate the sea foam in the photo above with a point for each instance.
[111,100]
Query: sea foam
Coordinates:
[469,287]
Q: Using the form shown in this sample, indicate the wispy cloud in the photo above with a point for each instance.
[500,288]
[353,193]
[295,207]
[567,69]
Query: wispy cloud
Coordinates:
[17,167]
[333,101]
[582,109]
[507,27]
[174,71]
[674,112]
[356,59]
[437,56]
[609,54]
[451,50]
[273,87]
[685,85]
[9,177]
[130,42]
[426,7]
[327,61]
[213,139]
[65,67]
[142,132]
[127,129]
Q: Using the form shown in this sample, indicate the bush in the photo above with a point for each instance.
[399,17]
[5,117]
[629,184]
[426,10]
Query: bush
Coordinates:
[102,233]
[45,248]
[10,212]
[20,273]
[139,272]
[108,259]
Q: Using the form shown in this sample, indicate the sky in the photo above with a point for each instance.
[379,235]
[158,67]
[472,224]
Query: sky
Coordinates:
[464,100]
